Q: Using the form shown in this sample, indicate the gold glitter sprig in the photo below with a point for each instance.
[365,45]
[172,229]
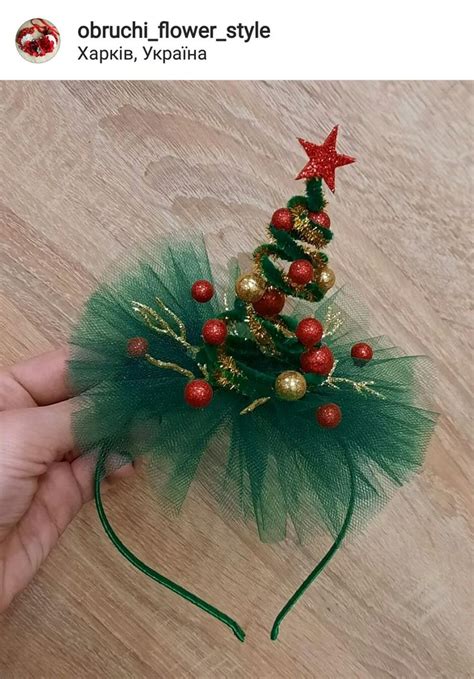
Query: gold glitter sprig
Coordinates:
[160,325]
[169,366]
[255,404]
[332,322]
[362,387]
[203,368]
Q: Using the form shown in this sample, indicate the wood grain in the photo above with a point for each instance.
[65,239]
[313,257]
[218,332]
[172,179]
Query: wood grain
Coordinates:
[90,169]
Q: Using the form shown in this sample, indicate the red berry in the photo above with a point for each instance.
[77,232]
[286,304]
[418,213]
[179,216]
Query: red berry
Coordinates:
[198,393]
[362,351]
[214,331]
[282,219]
[301,272]
[329,415]
[309,331]
[319,361]
[202,290]
[270,303]
[137,347]
[321,218]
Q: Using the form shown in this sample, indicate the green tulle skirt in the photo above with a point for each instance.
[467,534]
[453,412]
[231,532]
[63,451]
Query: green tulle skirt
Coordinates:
[274,466]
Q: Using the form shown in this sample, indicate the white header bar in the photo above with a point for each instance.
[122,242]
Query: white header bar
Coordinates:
[251,39]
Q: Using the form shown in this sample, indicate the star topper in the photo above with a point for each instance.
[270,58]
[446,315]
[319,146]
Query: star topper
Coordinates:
[323,160]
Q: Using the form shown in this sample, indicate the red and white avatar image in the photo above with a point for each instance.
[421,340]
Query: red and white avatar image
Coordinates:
[37,40]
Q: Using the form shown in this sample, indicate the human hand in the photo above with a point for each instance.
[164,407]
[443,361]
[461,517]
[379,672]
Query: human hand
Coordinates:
[43,484]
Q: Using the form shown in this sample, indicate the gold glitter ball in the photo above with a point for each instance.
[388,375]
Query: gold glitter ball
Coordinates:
[249,287]
[327,278]
[290,385]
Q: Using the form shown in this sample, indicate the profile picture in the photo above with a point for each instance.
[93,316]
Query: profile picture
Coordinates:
[37,40]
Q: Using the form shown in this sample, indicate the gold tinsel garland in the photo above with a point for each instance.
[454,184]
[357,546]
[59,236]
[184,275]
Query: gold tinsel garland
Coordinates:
[312,241]
[228,374]
[262,336]
[306,229]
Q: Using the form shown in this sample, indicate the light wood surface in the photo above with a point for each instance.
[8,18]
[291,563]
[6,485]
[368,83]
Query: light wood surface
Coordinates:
[87,171]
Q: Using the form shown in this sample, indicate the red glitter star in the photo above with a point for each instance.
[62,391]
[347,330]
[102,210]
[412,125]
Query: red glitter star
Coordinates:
[323,160]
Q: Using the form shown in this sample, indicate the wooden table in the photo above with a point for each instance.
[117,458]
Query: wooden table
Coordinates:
[89,170]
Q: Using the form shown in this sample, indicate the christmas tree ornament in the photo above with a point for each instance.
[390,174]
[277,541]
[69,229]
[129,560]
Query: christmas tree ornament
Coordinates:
[300,272]
[270,303]
[321,218]
[329,415]
[137,347]
[250,287]
[202,291]
[157,374]
[362,352]
[214,331]
[309,331]
[198,393]
[290,385]
[282,219]
[318,361]
[327,278]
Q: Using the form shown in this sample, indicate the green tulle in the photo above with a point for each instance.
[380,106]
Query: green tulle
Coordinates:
[274,466]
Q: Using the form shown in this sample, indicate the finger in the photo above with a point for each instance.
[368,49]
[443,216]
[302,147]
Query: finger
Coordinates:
[42,378]
[37,436]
